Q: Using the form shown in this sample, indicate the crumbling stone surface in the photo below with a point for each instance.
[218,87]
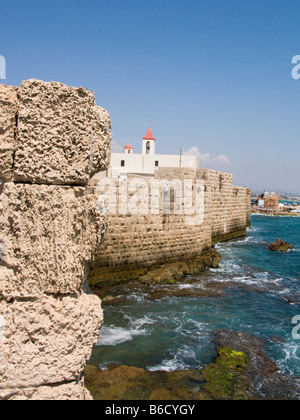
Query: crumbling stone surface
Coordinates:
[63,137]
[48,340]
[47,235]
[53,138]
[9,106]
[72,391]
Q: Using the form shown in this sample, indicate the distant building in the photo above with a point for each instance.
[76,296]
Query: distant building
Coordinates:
[148,161]
[268,203]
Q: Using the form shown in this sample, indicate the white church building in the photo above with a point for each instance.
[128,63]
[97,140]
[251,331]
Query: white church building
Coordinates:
[148,161]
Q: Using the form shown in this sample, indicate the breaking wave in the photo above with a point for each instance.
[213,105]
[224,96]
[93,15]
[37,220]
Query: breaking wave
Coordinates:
[112,335]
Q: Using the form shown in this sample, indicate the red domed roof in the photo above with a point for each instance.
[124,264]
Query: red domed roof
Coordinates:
[149,135]
[128,147]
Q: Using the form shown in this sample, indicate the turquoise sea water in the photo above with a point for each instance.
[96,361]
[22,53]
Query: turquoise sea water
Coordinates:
[176,332]
[289,202]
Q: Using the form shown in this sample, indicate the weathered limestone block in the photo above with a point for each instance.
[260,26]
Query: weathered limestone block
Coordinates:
[9,106]
[47,237]
[72,391]
[53,138]
[48,340]
[63,137]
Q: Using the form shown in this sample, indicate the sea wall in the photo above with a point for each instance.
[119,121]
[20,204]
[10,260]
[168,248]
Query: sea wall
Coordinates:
[135,242]
[227,207]
[53,139]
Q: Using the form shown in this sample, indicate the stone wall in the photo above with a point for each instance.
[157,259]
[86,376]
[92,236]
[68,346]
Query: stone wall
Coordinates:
[137,241]
[53,139]
[227,207]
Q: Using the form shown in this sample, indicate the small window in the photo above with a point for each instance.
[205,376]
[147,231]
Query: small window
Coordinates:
[156,163]
[122,163]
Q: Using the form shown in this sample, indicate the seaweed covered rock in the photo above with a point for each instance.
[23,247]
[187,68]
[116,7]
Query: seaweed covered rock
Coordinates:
[168,273]
[211,258]
[131,384]
[172,272]
[225,378]
[260,378]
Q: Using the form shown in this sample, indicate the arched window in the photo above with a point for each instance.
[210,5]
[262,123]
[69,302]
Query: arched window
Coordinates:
[148,148]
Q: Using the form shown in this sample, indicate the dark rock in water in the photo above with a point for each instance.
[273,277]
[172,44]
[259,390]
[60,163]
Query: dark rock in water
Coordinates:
[167,272]
[280,246]
[170,273]
[292,299]
[112,300]
[225,379]
[260,379]
[211,258]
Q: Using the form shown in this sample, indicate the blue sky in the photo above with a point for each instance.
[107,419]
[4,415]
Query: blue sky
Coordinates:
[214,76]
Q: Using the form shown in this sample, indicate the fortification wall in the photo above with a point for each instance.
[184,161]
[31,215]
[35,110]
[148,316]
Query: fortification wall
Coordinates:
[137,241]
[227,207]
[53,138]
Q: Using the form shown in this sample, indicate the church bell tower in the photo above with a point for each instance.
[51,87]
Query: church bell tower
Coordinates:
[149,143]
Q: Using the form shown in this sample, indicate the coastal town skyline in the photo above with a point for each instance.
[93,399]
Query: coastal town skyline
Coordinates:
[215,78]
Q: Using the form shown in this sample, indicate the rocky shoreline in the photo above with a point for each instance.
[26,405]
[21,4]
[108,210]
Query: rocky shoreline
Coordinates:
[167,273]
[241,371]
[180,279]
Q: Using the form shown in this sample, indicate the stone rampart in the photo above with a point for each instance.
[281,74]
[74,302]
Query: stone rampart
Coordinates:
[137,241]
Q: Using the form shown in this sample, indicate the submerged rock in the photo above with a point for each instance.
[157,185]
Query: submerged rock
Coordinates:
[293,299]
[277,339]
[280,246]
[131,383]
